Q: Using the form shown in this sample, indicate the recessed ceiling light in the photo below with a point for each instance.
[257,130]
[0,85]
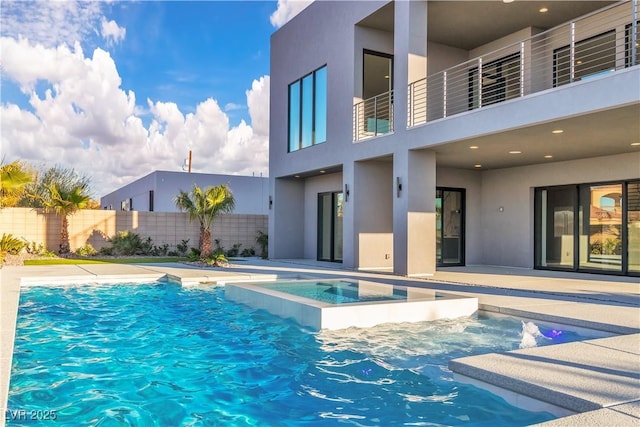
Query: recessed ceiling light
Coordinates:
[635,143]
[515,152]
[477,166]
[474,147]
[557,131]
[323,171]
[507,1]
[386,77]
[543,10]
[297,176]
[548,156]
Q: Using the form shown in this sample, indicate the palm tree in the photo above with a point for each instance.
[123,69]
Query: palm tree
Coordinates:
[65,202]
[14,178]
[205,205]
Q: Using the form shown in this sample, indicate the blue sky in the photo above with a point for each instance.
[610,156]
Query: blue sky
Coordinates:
[119,89]
[187,51]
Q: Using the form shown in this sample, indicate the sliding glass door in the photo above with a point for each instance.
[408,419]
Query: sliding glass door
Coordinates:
[588,227]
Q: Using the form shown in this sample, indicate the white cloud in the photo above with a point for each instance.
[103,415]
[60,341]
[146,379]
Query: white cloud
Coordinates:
[286,10]
[258,102]
[112,32]
[51,22]
[86,120]
[233,107]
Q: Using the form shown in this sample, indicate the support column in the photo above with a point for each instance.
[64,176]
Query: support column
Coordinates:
[410,49]
[414,225]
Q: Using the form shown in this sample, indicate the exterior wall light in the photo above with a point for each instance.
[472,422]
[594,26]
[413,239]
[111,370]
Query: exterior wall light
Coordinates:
[346,192]
[398,186]
[270,202]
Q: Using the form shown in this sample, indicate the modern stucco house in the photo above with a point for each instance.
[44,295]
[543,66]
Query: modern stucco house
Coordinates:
[157,191]
[410,135]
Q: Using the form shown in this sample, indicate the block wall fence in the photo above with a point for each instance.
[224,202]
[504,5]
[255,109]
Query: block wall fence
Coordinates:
[94,227]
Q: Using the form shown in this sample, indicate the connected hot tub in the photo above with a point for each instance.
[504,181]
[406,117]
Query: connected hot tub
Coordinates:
[344,303]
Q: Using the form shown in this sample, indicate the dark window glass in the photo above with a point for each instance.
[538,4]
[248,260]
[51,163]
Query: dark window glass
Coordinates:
[592,57]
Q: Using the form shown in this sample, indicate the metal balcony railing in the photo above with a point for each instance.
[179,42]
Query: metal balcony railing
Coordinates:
[588,47]
[373,116]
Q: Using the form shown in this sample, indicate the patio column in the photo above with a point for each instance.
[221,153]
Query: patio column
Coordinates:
[414,225]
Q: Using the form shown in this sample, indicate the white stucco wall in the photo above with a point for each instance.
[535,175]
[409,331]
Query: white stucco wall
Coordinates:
[507,237]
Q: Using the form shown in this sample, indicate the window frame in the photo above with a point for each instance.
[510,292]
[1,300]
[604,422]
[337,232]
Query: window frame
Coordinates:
[293,146]
[578,205]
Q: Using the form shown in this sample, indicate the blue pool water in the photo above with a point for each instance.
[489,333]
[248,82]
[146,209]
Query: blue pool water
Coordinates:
[158,354]
[337,291]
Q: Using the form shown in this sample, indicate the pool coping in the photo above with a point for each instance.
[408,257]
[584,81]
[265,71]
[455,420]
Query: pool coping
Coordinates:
[622,320]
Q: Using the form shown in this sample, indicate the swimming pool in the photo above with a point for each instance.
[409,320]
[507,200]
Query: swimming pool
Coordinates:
[159,354]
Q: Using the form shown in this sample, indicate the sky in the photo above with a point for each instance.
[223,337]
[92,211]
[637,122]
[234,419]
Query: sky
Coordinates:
[118,89]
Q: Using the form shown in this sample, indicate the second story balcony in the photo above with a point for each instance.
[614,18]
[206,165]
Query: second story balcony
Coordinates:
[373,116]
[588,47]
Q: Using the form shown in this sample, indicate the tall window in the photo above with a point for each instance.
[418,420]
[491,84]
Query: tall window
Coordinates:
[308,110]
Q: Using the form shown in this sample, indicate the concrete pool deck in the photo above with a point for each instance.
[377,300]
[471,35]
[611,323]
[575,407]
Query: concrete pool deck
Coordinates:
[599,380]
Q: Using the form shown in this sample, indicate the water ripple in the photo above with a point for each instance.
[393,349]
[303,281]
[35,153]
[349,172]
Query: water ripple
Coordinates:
[160,355]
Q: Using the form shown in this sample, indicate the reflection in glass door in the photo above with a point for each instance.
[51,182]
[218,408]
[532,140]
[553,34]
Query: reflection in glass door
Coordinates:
[330,209]
[601,227]
[556,207]
[449,226]
[589,227]
[633,226]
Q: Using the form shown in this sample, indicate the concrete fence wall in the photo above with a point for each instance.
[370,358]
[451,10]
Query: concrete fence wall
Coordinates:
[94,227]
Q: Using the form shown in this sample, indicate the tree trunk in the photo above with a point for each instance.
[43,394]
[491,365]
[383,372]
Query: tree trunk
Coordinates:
[65,248]
[205,243]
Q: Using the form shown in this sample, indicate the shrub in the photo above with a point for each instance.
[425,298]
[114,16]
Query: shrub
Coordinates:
[146,247]
[86,250]
[183,247]
[106,250]
[194,254]
[161,250]
[38,249]
[216,259]
[262,239]
[612,246]
[11,245]
[127,243]
[234,251]
[247,252]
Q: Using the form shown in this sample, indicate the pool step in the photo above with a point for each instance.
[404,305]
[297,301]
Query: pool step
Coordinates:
[563,379]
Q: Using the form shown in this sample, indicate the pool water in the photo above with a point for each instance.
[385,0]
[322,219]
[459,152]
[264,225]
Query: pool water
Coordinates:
[158,354]
[339,291]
